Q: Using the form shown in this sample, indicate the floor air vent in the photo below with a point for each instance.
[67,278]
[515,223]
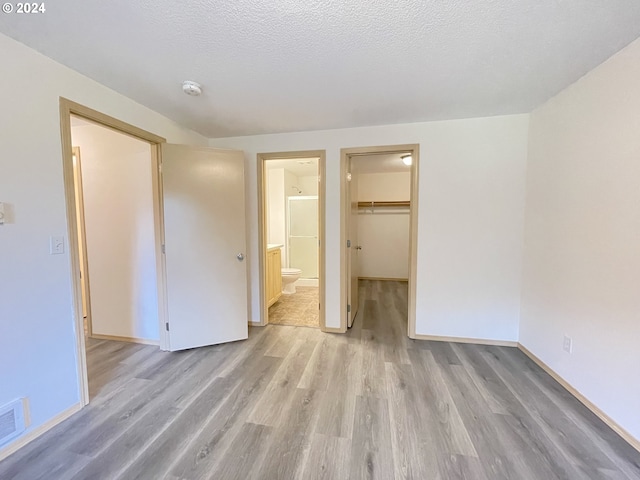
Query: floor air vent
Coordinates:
[11,420]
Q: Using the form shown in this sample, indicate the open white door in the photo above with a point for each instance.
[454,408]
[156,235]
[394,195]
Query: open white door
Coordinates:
[205,244]
[354,249]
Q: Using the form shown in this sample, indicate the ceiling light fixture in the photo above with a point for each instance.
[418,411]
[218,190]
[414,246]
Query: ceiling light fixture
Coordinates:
[407,159]
[191,88]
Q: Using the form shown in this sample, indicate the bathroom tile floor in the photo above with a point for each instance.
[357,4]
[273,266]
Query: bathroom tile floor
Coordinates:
[299,309]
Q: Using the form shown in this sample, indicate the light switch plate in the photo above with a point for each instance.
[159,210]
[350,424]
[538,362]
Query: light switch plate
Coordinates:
[1,213]
[56,244]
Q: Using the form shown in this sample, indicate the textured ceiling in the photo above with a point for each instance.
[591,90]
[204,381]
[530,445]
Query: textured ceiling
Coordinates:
[291,65]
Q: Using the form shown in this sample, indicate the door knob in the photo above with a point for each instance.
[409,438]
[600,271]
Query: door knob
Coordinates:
[240,257]
[358,247]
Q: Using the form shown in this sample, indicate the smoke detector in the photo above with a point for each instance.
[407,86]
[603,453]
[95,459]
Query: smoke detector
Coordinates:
[191,88]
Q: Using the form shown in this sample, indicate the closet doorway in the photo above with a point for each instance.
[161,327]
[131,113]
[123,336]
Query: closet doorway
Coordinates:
[199,232]
[379,223]
[114,201]
[291,212]
[111,194]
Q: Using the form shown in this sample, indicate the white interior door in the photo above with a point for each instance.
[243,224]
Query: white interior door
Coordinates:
[205,242]
[355,247]
[77,183]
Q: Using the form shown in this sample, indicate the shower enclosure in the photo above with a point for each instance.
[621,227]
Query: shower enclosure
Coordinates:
[302,235]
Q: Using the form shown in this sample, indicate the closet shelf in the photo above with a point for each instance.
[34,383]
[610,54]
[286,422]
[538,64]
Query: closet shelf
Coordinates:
[384,204]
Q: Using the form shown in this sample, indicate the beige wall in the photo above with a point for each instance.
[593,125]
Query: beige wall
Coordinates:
[383,233]
[390,186]
[275,206]
[582,249]
[308,185]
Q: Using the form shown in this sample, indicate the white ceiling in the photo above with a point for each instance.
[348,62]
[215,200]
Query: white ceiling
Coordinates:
[291,65]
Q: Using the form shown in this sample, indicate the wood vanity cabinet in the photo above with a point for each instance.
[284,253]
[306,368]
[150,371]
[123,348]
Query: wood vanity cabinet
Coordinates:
[274,276]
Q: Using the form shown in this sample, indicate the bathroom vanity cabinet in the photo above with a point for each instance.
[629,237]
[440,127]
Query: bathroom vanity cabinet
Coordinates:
[274,275]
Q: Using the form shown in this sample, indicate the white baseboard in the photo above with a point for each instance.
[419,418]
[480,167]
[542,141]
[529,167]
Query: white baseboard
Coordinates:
[626,436]
[35,433]
[144,341]
[307,282]
[477,341]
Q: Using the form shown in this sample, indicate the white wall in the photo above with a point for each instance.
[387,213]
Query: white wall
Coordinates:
[308,184]
[383,233]
[37,339]
[120,235]
[471,205]
[582,249]
[290,181]
[280,183]
[275,206]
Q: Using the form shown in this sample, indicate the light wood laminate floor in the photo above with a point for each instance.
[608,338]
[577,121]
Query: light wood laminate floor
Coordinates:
[295,403]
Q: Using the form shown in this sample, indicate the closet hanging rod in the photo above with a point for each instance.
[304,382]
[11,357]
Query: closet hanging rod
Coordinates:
[404,203]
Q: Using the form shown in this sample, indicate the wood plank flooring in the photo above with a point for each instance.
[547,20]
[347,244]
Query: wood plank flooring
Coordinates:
[295,403]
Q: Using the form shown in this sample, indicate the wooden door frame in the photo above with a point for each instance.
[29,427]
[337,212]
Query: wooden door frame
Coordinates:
[68,108]
[262,228]
[345,213]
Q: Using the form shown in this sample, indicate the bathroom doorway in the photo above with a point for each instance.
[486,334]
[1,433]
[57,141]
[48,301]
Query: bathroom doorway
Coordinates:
[291,212]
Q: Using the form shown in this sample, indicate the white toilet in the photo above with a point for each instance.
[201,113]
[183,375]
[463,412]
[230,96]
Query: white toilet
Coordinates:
[289,277]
